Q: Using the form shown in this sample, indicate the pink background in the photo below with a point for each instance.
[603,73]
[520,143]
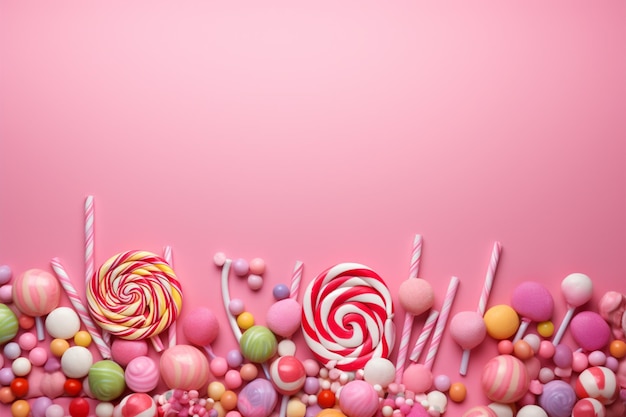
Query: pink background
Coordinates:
[324,133]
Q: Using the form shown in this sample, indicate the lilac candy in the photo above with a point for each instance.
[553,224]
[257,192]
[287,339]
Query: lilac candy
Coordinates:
[311,385]
[234,358]
[6,376]
[257,399]
[558,398]
[40,405]
[563,356]
[280,292]
[5,274]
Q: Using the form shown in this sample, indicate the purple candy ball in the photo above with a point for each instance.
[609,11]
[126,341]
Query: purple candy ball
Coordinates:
[280,292]
[563,356]
[234,358]
[39,406]
[311,385]
[6,376]
[558,398]
[241,267]
[5,274]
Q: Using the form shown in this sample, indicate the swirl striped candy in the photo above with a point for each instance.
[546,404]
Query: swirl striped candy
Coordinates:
[134,295]
[598,382]
[347,317]
[505,379]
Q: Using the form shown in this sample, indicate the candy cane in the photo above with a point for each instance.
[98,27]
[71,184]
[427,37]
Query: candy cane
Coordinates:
[441,322]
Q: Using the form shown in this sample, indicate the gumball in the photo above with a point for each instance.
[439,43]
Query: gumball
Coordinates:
[545,328]
[38,356]
[286,347]
[358,399]
[123,351]
[589,407]
[6,395]
[417,378]
[280,292]
[255,282]
[598,382]
[58,347]
[137,405]
[563,356]
[234,358]
[6,376]
[215,390]
[245,320]
[241,268]
[19,387]
[326,398]
[442,383]
[39,406]
[522,350]
[12,350]
[26,322]
[105,409]
[296,408]
[184,367]
[236,307]
[258,344]
[72,387]
[379,371]
[106,380]
[284,317]
[618,349]
[596,358]
[79,407]
[82,338]
[287,374]
[232,379]
[27,341]
[457,392]
[76,362]
[55,410]
[201,326]
[5,274]
[20,408]
[228,400]
[416,296]
[501,321]
[330,412]
[531,411]
[505,379]
[257,399]
[6,294]
[142,374]
[8,324]
[590,330]
[218,366]
[62,323]
[480,411]
[21,367]
[505,347]
[257,266]
[557,399]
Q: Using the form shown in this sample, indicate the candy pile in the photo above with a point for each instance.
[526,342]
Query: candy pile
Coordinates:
[107,357]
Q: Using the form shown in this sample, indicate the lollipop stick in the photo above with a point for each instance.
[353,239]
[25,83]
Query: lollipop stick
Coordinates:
[464,361]
[521,330]
[424,335]
[416,254]
[441,322]
[171,331]
[563,326]
[489,278]
[90,264]
[296,277]
[232,320]
[39,326]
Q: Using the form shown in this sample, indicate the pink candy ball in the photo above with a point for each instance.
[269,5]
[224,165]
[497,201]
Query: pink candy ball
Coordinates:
[200,326]
[136,405]
[417,378]
[257,266]
[36,292]
[358,399]
[590,330]
[284,317]
[468,329]
[480,411]
[505,379]
[416,296]
[232,379]
[123,351]
[533,301]
[27,341]
[598,382]
[184,367]
[142,374]
[218,366]
[287,374]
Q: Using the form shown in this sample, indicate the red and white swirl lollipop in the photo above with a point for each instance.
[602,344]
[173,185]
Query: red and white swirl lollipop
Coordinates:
[347,317]
[134,295]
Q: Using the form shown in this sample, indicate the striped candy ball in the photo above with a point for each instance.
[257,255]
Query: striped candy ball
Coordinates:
[134,295]
[8,324]
[287,374]
[36,292]
[505,379]
[258,344]
[184,367]
[589,407]
[598,382]
[347,317]
[480,411]
[106,380]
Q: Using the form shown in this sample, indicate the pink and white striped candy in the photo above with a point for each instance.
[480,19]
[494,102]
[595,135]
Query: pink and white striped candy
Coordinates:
[480,411]
[589,407]
[598,382]
[505,379]
[347,316]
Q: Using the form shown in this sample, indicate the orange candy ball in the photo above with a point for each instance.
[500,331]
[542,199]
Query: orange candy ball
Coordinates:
[617,348]
[20,408]
[457,392]
[59,346]
[6,395]
[326,398]
[522,350]
[228,400]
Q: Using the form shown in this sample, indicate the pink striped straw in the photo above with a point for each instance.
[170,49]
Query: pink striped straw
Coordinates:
[441,322]
[72,294]
[424,335]
[296,277]
[90,262]
[491,273]
[171,331]
[416,255]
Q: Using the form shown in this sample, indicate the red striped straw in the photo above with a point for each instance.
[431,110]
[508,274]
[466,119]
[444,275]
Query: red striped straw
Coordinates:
[171,331]
[78,305]
[441,322]
[416,255]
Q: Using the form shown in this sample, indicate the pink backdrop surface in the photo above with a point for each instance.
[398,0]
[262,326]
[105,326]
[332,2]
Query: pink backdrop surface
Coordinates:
[324,133]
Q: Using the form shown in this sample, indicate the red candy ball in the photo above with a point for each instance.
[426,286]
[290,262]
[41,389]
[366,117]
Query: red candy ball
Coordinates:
[79,407]
[287,374]
[326,398]
[72,387]
[19,387]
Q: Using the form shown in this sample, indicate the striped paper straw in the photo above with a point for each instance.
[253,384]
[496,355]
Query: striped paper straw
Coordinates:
[441,322]
[424,335]
[171,331]
[296,277]
[491,273]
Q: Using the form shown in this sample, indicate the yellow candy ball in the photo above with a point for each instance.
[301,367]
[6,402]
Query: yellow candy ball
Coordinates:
[82,338]
[215,390]
[501,321]
[245,320]
[59,346]
[219,409]
[296,408]
[545,328]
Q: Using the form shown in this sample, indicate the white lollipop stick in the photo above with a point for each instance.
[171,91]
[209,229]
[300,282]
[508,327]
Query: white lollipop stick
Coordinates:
[523,326]
[561,332]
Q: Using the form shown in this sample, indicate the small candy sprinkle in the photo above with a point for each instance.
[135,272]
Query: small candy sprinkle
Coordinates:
[255,282]
[245,320]
[280,292]
[545,328]
[241,267]
[257,266]
[219,258]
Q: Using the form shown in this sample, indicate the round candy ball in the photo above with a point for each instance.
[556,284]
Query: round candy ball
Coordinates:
[184,367]
[558,398]
[358,399]
[241,267]
[142,374]
[416,296]
[257,399]
[531,410]
[505,379]
[39,406]
[62,323]
[533,301]
[280,292]
[20,408]
[502,321]
[79,407]
[480,411]
[123,351]
[200,326]
[76,362]
[284,317]
[287,374]
[258,344]
[417,378]
[5,274]
[379,371]
[598,382]
[9,324]
[36,292]
[590,330]
[136,405]
[106,380]
[577,289]
[468,329]
[589,407]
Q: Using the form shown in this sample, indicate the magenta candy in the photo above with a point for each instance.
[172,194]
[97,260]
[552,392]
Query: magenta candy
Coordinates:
[123,351]
[532,301]
[200,326]
[558,398]
[562,356]
[284,317]
[590,330]
[418,411]
[257,399]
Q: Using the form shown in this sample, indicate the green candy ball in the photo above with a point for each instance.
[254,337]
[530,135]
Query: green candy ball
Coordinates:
[106,380]
[8,324]
[258,344]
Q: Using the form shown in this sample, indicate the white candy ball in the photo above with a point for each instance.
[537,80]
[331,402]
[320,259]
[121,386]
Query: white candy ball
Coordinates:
[104,409]
[62,323]
[76,361]
[21,367]
[286,347]
[501,410]
[379,371]
[55,410]
[531,411]
[438,401]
